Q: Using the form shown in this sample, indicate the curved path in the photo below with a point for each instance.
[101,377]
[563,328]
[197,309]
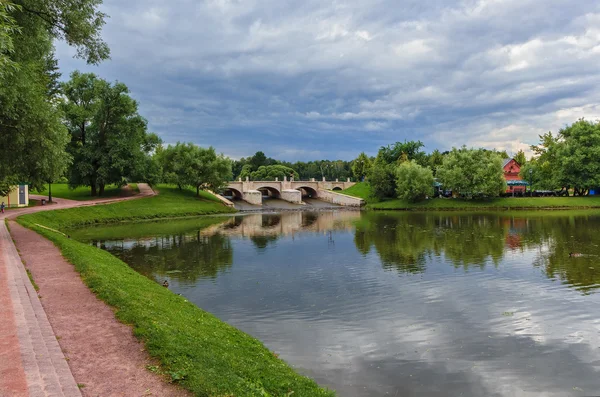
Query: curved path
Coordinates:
[64,342]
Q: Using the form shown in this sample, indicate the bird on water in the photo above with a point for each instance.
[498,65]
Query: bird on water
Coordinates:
[166,284]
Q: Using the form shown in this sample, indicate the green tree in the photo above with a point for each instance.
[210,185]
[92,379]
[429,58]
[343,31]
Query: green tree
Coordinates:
[413,182]
[382,179]
[435,160]
[472,172]
[211,171]
[520,158]
[30,122]
[545,164]
[8,28]
[78,22]
[579,156]
[361,166]
[109,139]
[270,172]
[186,164]
[403,151]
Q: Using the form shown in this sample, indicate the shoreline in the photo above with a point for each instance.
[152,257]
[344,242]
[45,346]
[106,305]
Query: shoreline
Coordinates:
[240,364]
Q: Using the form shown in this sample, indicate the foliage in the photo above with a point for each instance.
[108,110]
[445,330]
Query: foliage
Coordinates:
[520,158]
[78,22]
[361,167]
[109,142]
[8,28]
[270,172]
[30,122]
[579,156]
[382,180]
[186,164]
[472,172]
[413,182]
[571,159]
[544,164]
[306,170]
[435,160]
[402,151]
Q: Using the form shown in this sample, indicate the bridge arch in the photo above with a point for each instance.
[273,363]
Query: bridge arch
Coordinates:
[269,191]
[233,193]
[337,188]
[307,191]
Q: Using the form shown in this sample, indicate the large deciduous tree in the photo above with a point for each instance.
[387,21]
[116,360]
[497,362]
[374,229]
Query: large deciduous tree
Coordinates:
[578,155]
[413,182]
[382,179]
[361,166]
[271,172]
[568,160]
[109,139]
[186,164]
[472,172]
[33,136]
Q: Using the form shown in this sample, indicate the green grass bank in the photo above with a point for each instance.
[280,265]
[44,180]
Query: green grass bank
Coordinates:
[62,190]
[169,203]
[500,203]
[197,350]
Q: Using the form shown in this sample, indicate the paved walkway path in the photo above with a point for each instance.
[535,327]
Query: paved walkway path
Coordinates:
[35,333]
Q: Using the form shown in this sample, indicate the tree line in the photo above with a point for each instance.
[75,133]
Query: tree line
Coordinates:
[261,167]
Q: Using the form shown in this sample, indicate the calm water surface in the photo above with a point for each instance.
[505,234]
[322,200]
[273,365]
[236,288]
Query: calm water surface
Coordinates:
[395,304]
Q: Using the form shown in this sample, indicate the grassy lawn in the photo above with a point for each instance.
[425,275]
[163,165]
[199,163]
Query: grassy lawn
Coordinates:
[169,203]
[496,203]
[196,349]
[363,190]
[62,190]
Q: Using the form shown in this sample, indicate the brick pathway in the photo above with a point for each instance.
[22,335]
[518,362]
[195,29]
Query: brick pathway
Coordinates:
[32,362]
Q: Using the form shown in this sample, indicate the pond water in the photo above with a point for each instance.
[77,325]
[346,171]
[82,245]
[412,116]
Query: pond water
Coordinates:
[395,304]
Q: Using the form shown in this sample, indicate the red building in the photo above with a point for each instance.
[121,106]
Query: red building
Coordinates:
[513,180]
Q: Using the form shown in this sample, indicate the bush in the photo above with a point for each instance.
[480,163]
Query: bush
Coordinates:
[413,182]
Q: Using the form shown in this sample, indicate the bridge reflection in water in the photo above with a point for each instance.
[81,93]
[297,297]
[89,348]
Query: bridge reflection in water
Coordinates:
[285,223]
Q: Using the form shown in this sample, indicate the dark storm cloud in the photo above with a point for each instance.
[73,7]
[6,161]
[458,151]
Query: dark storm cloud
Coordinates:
[311,79]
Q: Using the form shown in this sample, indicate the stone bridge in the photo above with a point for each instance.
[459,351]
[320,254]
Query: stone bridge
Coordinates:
[293,191]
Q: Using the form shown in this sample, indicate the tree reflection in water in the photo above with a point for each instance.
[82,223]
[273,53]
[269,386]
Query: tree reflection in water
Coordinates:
[404,242]
[407,241]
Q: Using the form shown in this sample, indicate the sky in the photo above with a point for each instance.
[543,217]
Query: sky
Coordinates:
[327,79]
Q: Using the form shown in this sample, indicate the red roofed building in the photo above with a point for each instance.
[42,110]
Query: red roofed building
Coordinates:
[513,180]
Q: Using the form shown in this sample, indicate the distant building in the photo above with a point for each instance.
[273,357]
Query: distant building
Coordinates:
[511,174]
[18,197]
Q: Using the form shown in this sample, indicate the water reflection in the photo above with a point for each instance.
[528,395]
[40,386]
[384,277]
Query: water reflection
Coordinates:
[376,304]
[185,257]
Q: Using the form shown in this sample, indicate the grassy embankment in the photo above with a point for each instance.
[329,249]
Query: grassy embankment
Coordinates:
[62,190]
[196,349]
[504,203]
